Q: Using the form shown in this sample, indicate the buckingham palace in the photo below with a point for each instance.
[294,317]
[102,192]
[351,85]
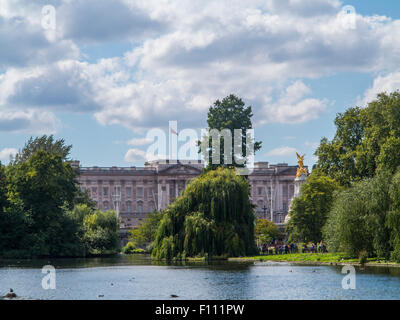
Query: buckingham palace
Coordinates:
[133,192]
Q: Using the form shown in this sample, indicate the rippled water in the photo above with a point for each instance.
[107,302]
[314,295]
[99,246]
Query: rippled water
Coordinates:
[136,277]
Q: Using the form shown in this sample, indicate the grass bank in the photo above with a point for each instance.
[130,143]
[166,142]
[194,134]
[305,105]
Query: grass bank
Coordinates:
[316,258]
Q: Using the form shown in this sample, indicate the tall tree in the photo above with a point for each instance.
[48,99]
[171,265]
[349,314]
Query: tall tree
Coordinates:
[3,188]
[309,211]
[366,141]
[44,143]
[229,114]
[358,219]
[44,185]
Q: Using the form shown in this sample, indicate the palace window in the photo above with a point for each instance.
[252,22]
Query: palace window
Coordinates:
[105,206]
[140,207]
[285,190]
[139,192]
[128,192]
[260,191]
[94,192]
[105,191]
[128,207]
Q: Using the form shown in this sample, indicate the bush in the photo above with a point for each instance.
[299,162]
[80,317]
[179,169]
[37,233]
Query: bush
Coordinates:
[130,248]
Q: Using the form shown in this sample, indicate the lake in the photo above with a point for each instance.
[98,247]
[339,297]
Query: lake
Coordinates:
[137,277]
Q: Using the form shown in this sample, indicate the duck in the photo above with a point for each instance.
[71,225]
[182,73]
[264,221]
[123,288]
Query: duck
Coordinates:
[11,294]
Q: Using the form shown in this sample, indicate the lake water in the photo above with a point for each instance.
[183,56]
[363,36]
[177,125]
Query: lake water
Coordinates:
[136,277]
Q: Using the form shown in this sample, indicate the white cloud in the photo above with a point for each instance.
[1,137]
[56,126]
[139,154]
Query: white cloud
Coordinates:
[24,42]
[135,155]
[29,121]
[139,141]
[184,56]
[6,153]
[281,151]
[293,107]
[387,83]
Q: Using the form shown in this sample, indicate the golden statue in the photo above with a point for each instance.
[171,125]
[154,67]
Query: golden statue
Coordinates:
[301,169]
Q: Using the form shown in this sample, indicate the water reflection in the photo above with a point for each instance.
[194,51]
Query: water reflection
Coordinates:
[138,277]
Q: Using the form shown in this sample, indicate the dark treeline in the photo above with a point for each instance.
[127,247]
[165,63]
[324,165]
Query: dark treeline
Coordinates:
[352,197]
[42,210]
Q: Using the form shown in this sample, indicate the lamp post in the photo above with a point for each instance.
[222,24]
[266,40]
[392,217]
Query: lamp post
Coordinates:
[265,211]
[117,199]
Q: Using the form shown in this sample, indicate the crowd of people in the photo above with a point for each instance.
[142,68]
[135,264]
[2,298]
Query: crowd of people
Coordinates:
[282,247]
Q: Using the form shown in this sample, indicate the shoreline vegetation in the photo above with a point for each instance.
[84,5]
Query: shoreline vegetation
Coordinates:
[316,259]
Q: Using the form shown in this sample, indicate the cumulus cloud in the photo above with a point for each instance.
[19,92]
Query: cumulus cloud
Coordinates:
[100,21]
[135,155]
[64,86]
[185,55]
[24,42]
[293,107]
[139,141]
[29,121]
[387,83]
[281,151]
[7,153]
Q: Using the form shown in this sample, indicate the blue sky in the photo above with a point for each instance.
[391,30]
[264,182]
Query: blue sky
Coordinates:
[111,71]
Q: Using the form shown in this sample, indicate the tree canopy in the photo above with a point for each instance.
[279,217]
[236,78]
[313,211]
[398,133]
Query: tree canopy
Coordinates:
[144,235]
[44,143]
[309,211]
[366,141]
[213,217]
[39,205]
[229,114]
[358,220]
[266,230]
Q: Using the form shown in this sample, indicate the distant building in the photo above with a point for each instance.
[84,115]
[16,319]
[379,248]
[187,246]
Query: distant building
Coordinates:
[137,191]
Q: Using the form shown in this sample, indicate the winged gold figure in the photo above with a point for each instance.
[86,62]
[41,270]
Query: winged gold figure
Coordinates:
[301,169]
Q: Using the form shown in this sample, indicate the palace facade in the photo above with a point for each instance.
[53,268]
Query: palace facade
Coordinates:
[136,191]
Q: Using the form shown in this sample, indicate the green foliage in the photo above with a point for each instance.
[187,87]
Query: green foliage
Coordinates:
[3,188]
[309,211]
[357,221]
[130,248]
[41,210]
[40,187]
[367,141]
[393,218]
[363,256]
[101,232]
[337,158]
[213,217]
[266,230]
[44,183]
[230,114]
[145,233]
[43,143]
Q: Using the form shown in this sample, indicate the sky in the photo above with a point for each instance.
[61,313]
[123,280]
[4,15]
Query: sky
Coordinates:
[103,74]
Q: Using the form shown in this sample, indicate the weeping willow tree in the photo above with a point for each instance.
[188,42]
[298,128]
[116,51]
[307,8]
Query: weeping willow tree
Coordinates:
[213,217]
